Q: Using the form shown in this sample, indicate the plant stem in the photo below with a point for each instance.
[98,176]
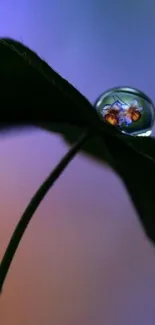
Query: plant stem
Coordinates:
[33,205]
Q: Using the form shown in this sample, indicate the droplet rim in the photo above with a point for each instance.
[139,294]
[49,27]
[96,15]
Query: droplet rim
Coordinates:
[132,91]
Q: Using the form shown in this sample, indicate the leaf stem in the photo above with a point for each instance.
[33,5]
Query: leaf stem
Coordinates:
[33,205]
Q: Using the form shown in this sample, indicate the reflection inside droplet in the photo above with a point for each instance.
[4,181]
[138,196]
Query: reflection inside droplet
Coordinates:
[128,109]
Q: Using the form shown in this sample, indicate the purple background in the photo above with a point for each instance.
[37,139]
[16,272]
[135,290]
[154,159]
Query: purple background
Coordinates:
[84,258]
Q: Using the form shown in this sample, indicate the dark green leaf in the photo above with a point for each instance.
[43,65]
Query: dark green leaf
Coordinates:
[32,92]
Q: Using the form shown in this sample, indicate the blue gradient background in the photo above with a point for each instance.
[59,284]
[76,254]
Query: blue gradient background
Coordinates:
[84,258]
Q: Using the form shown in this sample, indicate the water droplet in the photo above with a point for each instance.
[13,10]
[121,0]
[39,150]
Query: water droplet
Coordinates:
[128,109]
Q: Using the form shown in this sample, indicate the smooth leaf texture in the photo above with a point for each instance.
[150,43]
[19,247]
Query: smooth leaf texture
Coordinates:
[32,90]
[33,93]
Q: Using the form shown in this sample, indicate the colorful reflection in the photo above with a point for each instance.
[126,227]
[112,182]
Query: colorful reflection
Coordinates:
[128,109]
[122,114]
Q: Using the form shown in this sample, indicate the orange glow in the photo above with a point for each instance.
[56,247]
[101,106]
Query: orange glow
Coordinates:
[111,118]
[133,114]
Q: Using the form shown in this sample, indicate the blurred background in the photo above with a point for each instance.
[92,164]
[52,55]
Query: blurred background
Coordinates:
[84,258]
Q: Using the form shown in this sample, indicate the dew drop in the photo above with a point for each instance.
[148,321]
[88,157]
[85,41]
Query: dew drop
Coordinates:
[128,109]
